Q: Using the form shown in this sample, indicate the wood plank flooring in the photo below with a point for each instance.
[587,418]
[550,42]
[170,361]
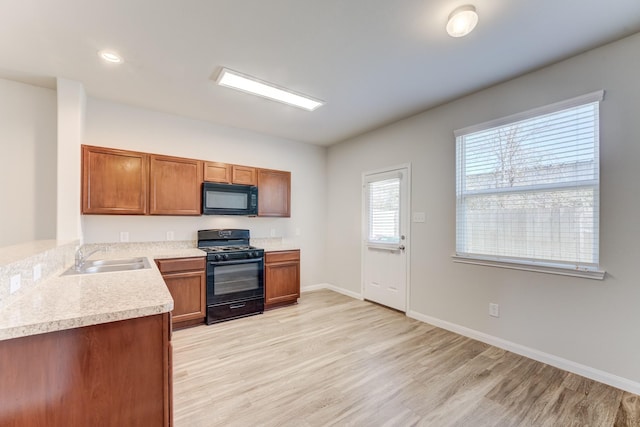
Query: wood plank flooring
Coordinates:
[335,361]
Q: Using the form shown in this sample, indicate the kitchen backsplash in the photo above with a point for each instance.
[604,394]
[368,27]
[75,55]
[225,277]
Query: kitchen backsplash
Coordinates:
[142,247]
[25,262]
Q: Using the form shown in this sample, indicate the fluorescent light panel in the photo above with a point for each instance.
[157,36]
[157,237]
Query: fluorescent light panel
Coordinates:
[248,84]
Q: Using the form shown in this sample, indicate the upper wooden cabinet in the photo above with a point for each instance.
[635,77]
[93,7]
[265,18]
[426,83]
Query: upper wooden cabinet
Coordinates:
[174,186]
[217,172]
[114,181]
[229,174]
[243,175]
[128,182]
[274,193]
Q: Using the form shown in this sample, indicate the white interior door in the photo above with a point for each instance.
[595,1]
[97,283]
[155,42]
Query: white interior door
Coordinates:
[385,243]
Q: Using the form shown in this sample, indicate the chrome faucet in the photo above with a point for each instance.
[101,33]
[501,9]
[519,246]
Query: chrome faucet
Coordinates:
[81,257]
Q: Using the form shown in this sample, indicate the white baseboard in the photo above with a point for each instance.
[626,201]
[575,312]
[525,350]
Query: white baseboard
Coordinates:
[549,359]
[332,288]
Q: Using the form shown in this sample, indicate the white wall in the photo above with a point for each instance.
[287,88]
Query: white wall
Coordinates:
[589,322]
[27,171]
[109,124]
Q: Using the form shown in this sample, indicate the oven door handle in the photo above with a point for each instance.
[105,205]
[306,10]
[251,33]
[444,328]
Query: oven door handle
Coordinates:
[240,261]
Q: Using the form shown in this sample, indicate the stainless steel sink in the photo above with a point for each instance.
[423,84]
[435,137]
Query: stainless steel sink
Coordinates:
[109,266]
[101,262]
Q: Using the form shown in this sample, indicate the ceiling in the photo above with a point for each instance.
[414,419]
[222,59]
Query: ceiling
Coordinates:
[372,61]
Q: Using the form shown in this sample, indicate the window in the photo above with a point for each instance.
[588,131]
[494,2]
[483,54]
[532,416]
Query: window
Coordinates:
[383,209]
[528,188]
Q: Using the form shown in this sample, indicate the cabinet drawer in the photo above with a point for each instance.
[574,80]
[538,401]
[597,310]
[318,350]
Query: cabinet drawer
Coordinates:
[234,310]
[180,264]
[282,256]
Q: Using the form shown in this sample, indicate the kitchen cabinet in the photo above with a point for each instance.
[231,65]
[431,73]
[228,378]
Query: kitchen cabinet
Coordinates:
[226,173]
[116,373]
[217,172]
[127,182]
[274,193]
[186,281]
[281,278]
[174,186]
[132,183]
[114,181]
[245,175]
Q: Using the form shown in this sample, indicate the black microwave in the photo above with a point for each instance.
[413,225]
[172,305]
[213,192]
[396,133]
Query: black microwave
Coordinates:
[229,199]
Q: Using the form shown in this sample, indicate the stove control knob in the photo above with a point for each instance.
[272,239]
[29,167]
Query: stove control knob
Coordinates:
[256,254]
[216,257]
[225,257]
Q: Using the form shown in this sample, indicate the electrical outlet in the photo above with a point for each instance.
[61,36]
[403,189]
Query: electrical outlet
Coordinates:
[15,284]
[297,231]
[37,272]
[419,217]
[169,235]
[494,310]
[273,232]
[124,236]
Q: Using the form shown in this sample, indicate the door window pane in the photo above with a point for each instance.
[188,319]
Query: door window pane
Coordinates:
[384,211]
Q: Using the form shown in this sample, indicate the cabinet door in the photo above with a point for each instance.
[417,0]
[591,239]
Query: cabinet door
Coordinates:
[115,374]
[243,175]
[217,172]
[274,193]
[175,186]
[188,290]
[282,278]
[114,181]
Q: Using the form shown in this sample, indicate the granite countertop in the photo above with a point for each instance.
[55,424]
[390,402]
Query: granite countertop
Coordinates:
[65,302]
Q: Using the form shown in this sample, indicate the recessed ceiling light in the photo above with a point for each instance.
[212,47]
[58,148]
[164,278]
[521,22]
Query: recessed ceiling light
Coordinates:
[462,21]
[110,56]
[254,86]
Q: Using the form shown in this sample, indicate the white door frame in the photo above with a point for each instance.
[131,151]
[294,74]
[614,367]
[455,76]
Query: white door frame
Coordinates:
[406,218]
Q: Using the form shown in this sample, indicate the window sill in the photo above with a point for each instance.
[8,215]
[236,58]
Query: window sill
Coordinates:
[587,274]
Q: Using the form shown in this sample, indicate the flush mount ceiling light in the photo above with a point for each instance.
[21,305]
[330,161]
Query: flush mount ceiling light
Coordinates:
[110,56]
[462,21]
[254,86]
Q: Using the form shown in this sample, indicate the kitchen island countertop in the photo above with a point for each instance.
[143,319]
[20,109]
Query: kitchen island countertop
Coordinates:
[73,301]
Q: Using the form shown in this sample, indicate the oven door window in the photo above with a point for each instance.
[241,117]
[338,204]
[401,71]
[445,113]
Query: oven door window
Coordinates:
[230,279]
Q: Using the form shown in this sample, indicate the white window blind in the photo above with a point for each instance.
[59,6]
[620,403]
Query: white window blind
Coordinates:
[528,187]
[383,210]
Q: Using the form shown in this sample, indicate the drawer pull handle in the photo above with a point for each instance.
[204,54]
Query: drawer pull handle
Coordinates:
[233,307]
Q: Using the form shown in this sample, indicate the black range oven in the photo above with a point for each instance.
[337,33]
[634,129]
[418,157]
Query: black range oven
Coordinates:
[235,274]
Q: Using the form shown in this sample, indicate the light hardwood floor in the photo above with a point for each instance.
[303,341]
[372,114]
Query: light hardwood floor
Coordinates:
[334,360]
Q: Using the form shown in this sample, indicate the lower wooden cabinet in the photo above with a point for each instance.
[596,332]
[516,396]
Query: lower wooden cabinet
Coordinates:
[112,374]
[281,278]
[186,280]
